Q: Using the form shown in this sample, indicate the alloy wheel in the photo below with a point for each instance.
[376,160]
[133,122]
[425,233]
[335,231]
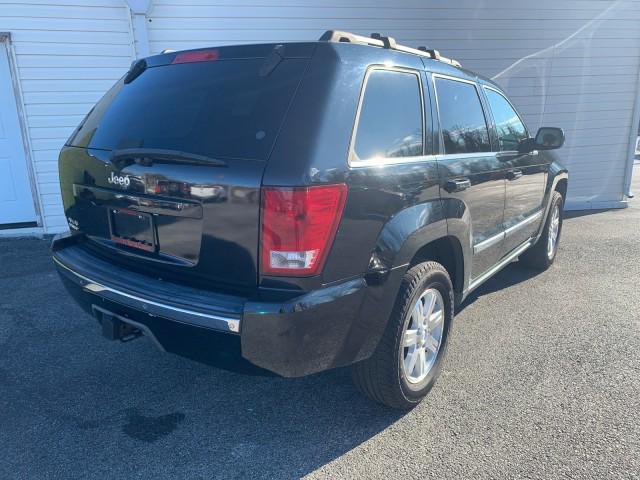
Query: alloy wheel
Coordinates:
[422,337]
[554,229]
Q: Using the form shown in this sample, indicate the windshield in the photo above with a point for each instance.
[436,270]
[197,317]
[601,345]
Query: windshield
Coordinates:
[218,109]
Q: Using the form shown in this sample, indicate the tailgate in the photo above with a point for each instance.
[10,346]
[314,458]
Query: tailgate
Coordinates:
[165,172]
[202,223]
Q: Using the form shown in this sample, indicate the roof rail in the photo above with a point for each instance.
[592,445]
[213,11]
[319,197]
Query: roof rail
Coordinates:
[377,40]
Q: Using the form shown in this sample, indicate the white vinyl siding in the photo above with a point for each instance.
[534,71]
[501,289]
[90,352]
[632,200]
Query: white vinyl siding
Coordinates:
[572,63]
[67,56]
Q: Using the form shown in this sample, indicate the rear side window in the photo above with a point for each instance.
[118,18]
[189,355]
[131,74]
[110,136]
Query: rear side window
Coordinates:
[220,108]
[464,129]
[511,131]
[390,120]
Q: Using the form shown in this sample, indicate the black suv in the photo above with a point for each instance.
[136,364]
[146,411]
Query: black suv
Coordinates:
[308,205]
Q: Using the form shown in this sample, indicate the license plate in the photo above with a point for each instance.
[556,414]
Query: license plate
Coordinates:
[133,229]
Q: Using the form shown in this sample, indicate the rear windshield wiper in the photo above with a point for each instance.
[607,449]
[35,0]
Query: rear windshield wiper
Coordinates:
[147,156]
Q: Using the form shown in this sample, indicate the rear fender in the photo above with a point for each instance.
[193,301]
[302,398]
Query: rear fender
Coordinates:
[459,226]
[398,242]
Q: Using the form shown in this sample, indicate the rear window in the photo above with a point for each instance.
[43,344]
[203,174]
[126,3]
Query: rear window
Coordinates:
[390,123]
[218,109]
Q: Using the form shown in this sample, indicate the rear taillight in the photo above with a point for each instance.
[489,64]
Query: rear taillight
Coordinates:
[298,227]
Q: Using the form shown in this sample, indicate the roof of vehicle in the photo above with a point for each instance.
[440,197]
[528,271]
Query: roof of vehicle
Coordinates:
[432,58]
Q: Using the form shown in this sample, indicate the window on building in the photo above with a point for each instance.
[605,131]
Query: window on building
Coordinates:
[390,123]
[511,131]
[464,129]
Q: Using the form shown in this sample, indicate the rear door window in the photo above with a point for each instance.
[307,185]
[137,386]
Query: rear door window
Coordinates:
[219,108]
[511,131]
[390,118]
[462,121]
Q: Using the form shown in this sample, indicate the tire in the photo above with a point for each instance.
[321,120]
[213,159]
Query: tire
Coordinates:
[387,376]
[541,255]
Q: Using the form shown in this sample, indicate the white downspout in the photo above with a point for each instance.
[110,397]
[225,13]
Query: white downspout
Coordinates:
[139,10]
[633,138]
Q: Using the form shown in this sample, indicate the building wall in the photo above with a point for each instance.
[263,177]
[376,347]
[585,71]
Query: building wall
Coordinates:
[68,53]
[573,64]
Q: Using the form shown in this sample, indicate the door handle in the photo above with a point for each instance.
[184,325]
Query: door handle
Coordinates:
[514,174]
[452,186]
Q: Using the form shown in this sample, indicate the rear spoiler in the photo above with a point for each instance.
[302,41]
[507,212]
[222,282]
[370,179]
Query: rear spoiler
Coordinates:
[273,53]
[262,50]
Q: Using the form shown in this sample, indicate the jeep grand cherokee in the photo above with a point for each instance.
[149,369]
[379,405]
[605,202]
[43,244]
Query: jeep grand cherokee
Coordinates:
[311,205]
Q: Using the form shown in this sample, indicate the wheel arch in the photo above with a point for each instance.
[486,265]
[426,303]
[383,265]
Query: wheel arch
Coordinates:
[447,251]
[558,178]
[561,187]
[557,181]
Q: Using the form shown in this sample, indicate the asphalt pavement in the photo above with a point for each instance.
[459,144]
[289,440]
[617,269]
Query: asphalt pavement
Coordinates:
[542,380]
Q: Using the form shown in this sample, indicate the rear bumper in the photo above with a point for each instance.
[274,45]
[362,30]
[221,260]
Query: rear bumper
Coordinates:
[149,302]
[309,333]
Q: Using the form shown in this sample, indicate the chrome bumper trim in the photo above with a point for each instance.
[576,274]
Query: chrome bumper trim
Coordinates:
[216,322]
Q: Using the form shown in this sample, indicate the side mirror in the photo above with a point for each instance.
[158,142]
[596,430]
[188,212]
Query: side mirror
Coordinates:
[549,138]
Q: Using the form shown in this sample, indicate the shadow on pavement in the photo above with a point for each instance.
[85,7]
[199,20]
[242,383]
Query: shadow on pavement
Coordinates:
[511,275]
[96,408]
[75,405]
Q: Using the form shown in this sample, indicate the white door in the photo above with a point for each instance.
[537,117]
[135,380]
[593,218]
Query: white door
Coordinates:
[16,200]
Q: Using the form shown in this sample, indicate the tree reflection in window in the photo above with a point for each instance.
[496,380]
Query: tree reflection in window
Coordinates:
[511,131]
[464,129]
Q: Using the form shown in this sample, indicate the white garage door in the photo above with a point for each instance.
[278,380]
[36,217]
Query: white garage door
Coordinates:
[16,201]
